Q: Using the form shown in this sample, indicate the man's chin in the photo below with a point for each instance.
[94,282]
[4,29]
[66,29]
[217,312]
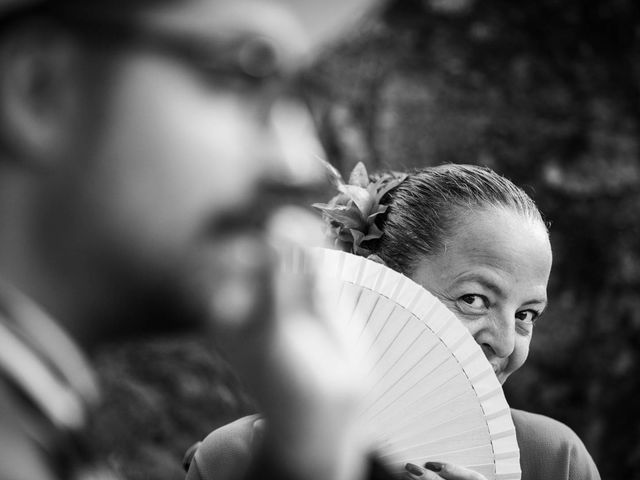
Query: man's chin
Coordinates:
[157,310]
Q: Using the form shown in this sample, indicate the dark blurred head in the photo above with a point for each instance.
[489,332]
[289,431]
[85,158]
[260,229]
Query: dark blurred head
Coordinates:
[136,134]
[428,207]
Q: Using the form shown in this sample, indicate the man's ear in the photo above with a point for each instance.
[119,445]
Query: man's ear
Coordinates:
[39,96]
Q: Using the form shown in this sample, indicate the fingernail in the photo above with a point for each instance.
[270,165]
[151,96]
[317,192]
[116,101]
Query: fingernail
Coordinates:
[433,466]
[413,469]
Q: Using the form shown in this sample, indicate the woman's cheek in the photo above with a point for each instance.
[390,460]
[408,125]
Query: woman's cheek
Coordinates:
[471,322]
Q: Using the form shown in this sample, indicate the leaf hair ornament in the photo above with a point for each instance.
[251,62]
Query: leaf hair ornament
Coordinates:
[351,215]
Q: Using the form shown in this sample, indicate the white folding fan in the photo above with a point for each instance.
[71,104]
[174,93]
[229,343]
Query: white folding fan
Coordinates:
[434,396]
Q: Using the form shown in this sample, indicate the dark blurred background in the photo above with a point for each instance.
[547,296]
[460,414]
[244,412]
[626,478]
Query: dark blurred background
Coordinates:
[548,94]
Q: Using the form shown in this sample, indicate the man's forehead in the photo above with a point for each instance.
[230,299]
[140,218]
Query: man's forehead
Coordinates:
[306,23]
[225,21]
[320,20]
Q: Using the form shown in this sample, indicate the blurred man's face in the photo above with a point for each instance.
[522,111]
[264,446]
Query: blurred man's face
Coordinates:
[180,153]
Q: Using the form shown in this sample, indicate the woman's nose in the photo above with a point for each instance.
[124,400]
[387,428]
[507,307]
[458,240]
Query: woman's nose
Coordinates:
[498,336]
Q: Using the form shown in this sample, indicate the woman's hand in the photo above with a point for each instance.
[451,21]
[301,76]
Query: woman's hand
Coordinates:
[438,471]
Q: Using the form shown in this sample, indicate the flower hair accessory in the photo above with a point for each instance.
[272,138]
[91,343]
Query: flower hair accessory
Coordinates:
[351,215]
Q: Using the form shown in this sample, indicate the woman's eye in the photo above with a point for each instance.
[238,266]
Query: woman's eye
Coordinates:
[528,316]
[475,302]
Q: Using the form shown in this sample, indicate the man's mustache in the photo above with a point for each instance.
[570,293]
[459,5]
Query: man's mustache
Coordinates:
[268,197]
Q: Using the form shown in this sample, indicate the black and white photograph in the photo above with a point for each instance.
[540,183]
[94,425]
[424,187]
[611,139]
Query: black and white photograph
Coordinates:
[319,240]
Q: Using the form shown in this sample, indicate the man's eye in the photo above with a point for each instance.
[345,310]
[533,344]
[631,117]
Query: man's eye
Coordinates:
[475,302]
[528,316]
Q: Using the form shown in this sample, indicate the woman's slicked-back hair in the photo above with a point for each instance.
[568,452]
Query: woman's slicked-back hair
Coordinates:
[431,202]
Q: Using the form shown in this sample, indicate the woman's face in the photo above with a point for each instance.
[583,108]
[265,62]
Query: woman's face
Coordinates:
[493,273]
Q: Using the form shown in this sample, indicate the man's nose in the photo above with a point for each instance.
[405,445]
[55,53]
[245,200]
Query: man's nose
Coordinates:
[291,147]
[498,337]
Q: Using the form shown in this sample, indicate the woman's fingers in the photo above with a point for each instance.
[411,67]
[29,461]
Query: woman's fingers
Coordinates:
[449,471]
[416,472]
[438,471]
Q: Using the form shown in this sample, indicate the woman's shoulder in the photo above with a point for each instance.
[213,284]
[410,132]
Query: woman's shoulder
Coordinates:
[549,447]
[541,425]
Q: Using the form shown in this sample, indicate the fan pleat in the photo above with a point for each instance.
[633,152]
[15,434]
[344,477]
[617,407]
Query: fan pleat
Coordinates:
[426,408]
[348,299]
[439,421]
[429,375]
[448,448]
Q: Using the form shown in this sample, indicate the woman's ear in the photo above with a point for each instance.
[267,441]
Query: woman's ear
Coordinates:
[39,96]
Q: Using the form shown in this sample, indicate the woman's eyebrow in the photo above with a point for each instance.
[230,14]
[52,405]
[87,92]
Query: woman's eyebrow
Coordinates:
[492,284]
[484,280]
[537,301]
